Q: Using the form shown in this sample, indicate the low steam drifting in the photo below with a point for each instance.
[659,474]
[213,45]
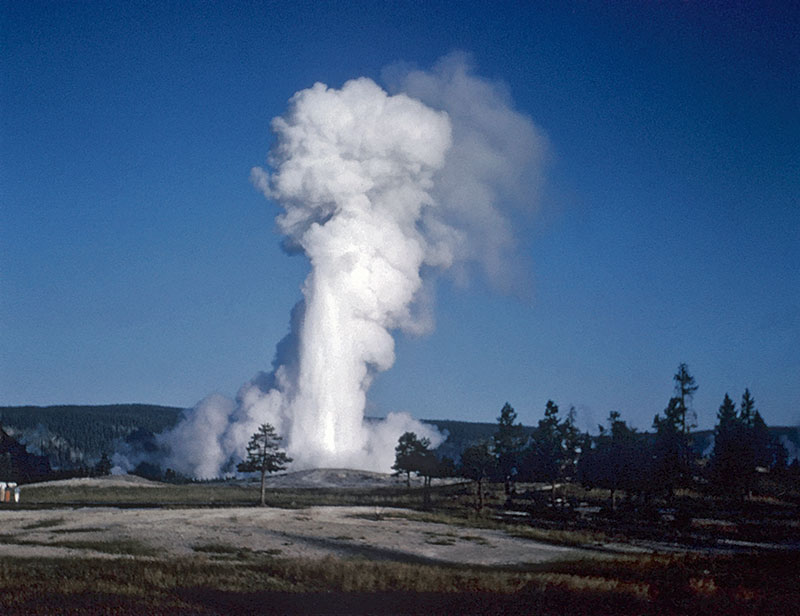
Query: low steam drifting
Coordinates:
[381,192]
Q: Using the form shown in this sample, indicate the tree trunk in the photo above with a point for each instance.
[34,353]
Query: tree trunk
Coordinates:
[263,488]
[480,495]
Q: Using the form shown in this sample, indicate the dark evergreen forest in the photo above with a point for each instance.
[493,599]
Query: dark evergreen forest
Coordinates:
[73,436]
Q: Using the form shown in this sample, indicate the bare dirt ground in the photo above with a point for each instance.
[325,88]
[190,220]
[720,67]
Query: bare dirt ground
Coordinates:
[314,532]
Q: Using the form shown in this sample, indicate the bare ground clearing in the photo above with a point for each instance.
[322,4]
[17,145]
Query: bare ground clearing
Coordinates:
[315,532]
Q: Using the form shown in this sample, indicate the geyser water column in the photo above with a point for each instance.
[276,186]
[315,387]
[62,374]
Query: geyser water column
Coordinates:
[372,188]
[352,170]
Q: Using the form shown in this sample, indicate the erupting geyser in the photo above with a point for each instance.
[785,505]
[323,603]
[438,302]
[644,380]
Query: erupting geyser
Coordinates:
[375,189]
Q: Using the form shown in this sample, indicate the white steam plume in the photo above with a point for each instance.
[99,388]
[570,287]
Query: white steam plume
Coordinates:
[376,191]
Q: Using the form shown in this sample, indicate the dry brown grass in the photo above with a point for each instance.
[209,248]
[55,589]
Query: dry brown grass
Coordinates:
[633,585]
[567,537]
[226,494]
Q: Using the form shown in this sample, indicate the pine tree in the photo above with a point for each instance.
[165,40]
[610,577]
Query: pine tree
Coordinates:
[572,441]
[762,442]
[731,459]
[670,457]
[103,466]
[264,456]
[478,463]
[780,457]
[747,410]
[545,456]
[407,452]
[742,443]
[618,461]
[756,440]
[673,448]
[413,455]
[508,442]
[685,386]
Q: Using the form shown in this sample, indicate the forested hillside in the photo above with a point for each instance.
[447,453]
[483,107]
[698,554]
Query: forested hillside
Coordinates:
[17,464]
[72,436]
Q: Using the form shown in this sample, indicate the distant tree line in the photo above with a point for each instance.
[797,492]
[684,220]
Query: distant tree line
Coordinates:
[618,458]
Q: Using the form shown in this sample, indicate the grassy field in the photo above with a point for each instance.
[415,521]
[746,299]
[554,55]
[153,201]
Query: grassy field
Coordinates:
[220,494]
[220,581]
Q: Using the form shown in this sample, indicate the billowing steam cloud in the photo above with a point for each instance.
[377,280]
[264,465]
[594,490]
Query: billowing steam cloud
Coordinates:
[379,192]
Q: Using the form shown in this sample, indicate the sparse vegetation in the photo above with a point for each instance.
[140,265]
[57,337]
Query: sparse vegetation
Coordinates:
[216,548]
[474,539]
[223,551]
[440,538]
[522,531]
[128,547]
[44,524]
[646,584]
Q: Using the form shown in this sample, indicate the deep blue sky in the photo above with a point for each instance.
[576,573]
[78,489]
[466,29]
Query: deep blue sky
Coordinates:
[138,264]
